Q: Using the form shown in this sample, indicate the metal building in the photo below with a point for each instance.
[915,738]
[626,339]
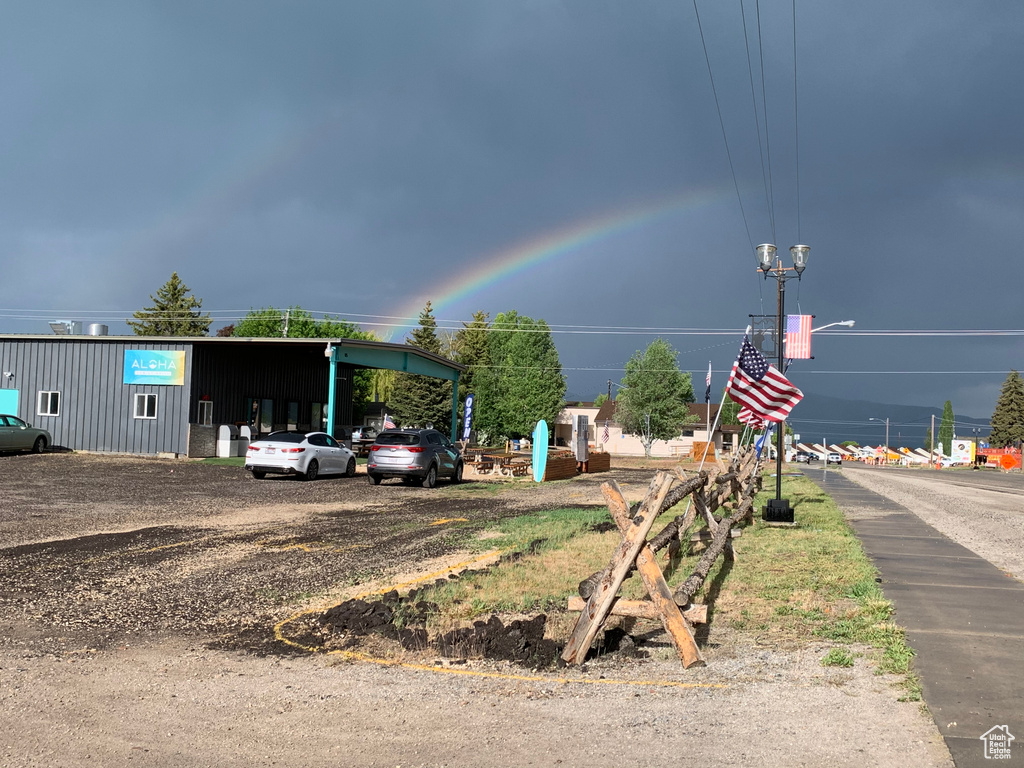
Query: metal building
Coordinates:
[166,396]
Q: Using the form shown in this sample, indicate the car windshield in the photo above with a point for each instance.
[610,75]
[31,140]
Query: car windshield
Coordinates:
[286,437]
[397,438]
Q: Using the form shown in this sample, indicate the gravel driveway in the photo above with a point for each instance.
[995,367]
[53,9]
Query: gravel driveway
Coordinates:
[137,597]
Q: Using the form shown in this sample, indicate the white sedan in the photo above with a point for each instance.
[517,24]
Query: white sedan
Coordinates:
[309,454]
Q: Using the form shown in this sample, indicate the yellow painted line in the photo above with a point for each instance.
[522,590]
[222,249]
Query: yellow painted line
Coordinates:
[450,520]
[366,658]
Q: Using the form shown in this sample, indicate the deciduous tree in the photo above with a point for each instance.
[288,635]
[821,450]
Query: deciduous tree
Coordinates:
[652,400]
[524,382]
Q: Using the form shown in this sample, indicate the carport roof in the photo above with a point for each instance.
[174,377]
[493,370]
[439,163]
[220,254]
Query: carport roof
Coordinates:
[364,350]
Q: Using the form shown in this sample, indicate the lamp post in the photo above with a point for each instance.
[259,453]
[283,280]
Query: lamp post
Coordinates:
[886,420]
[778,509]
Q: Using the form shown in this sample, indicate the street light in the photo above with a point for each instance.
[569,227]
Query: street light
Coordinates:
[886,420]
[847,323]
[778,509]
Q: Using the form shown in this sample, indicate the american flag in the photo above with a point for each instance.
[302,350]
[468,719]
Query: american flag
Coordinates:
[605,435]
[751,419]
[388,423]
[798,337]
[760,387]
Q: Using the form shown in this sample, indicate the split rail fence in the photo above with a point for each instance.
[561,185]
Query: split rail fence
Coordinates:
[721,499]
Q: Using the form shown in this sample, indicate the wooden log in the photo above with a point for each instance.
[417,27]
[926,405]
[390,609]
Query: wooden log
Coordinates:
[685,591]
[695,613]
[661,596]
[708,536]
[675,495]
[634,539]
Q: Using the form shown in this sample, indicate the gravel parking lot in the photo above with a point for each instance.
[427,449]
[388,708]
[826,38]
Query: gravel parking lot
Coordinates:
[138,596]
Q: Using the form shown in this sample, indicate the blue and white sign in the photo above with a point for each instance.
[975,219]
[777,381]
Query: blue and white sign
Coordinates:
[154,366]
[468,425]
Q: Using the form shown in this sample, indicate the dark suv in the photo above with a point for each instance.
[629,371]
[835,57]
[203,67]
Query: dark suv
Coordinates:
[414,455]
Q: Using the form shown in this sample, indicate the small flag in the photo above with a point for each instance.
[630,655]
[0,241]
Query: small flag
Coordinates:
[707,393]
[388,423]
[751,419]
[798,337]
[604,436]
[760,387]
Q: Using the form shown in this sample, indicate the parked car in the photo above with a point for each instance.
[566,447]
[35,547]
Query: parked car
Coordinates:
[18,435]
[413,454]
[805,457]
[309,454]
[362,439]
[834,458]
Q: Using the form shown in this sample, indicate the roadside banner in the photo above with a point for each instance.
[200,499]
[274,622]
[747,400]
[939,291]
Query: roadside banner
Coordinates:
[468,421]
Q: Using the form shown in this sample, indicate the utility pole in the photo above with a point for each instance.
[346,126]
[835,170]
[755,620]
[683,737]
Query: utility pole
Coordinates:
[931,448]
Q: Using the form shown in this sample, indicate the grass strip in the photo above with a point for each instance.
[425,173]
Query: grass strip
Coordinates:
[788,585]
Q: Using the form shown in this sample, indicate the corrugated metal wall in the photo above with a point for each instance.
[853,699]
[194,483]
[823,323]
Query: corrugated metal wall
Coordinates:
[97,408]
[230,374]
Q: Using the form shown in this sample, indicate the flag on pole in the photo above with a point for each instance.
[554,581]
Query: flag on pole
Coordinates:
[760,387]
[388,423]
[605,435]
[707,381]
[751,419]
[798,337]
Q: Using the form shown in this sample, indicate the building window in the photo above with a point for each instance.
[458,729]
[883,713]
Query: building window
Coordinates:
[206,413]
[687,433]
[145,406]
[49,404]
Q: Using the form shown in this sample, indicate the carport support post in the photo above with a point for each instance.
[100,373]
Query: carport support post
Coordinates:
[331,391]
[455,408]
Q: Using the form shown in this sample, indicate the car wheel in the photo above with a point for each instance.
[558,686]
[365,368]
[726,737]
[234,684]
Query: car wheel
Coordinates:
[312,470]
[350,468]
[457,475]
[431,478]
[373,479]
[258,474]
[39,444]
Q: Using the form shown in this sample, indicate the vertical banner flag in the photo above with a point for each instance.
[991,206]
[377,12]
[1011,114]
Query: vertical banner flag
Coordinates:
[468,424]
[798,337]
[707,392]
[760,387]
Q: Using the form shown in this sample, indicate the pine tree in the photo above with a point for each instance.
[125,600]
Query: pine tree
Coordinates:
[928,439]
[946,429]
[420,400]
[471,350]
[654,394]
[174,313]
[1008,416]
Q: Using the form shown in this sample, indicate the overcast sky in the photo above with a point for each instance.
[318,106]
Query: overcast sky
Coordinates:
[360,158]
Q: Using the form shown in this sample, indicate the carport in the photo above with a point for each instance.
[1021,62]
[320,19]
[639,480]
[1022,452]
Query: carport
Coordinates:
[392,357]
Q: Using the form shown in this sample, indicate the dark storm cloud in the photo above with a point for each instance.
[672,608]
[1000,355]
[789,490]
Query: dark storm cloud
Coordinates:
[345,156]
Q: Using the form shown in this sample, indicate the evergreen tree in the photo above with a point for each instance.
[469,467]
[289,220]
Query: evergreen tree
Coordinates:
[601,399]
[946,429]
[1008,416]
[420,400]
[471,350]
[928,439]
[175,312]
[524,382]
[654,394]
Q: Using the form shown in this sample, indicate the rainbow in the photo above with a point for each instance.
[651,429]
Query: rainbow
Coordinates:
[548,246]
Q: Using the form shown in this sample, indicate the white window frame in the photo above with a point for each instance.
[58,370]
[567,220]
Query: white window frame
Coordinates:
[48,396]
[206,413]
[143,398]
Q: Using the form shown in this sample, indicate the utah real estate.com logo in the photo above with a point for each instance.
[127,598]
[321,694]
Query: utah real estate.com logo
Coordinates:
[997,742]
